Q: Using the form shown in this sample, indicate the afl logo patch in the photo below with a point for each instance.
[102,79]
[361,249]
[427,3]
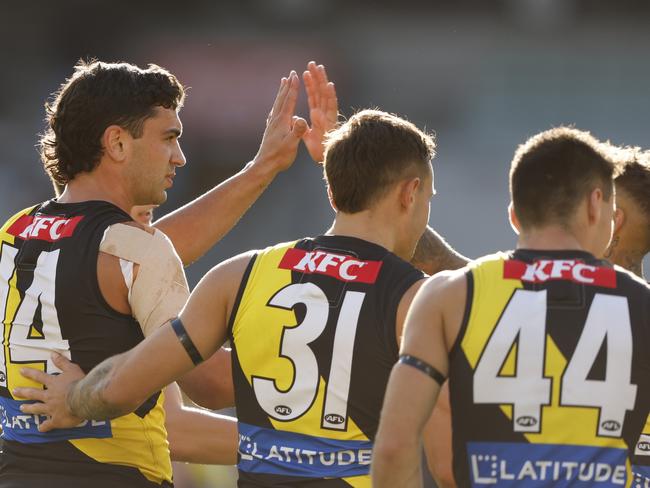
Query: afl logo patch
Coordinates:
[282,410]
[611,425]
[333,418]
[526,421]
[643,446]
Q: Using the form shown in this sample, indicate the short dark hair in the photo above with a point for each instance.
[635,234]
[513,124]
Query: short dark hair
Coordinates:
[634,176]
[370,152]
[95,97]
[553,171]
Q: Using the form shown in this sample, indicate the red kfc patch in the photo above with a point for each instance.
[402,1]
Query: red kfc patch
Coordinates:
[48,228]
[339,266]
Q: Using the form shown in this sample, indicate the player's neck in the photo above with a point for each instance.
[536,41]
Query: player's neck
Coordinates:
[363,225]
[550,238]
[90,186]
[630,258]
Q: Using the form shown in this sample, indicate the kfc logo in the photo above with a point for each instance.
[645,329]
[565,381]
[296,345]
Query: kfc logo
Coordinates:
[339,266]
[560,269]
[45,228]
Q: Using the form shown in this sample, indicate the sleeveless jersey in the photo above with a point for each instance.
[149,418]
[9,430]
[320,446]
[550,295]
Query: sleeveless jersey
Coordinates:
[314,341]
[50,301]
[550,374]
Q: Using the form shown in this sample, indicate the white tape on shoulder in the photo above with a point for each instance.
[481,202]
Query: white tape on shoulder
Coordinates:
[160,288]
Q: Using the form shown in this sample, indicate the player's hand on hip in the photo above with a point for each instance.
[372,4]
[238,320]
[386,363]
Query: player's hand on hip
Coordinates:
[323,109]
[51,401]
[284,129]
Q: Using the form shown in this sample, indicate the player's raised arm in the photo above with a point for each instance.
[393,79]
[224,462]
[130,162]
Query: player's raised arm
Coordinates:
[121,383]
[323,109]
[193,228]
[418,375]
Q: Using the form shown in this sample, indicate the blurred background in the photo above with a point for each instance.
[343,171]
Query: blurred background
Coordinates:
[483,76]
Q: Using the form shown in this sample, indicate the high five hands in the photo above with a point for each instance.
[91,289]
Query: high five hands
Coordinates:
[285,130]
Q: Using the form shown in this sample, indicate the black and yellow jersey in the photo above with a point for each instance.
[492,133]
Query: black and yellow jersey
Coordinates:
[314,341]
[550,375]
[50,301]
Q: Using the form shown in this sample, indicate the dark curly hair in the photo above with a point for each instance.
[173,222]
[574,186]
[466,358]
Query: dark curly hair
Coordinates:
[634,176]
[95,97]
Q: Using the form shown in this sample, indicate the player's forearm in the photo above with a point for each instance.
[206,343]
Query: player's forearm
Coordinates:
[210,384]
[88,397]
[434,254]
[395,465]
[200,436]
[200,224]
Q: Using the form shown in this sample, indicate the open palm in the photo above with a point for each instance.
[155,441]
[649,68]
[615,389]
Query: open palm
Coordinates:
[323,109]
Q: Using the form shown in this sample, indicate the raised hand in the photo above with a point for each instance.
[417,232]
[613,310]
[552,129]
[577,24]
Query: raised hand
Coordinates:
[323,108]
[283,129]
[51,401]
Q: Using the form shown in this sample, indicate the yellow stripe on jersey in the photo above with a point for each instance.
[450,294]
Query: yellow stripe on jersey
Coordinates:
[358,481]
[137,442]
[257,332]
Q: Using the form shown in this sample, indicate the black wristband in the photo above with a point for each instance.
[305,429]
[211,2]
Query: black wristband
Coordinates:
[186,341]
[423,366]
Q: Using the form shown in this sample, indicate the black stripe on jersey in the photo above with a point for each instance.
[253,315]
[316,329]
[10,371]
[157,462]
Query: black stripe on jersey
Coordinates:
[469,298]
[245,399]
[146,407]
[240,293]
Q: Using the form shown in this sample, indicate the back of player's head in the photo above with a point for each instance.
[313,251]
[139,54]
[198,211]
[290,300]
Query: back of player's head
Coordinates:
[95,97]
[369,153]
[552,172]
[633,180]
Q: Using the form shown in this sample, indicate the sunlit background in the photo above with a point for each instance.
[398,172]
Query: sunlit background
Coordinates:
[483,76]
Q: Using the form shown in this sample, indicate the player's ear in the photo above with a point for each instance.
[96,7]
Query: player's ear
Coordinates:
[619,219]
[330,197]
[594,205]
[114,142]
[408,191]
[514,221]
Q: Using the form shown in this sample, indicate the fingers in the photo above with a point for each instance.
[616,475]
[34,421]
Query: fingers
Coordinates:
[35,375]
[289,105]
[311,77]
[46,426]
[63,363]
[34,408]
[332,103]
[299,127]
[279,98]
[29,393]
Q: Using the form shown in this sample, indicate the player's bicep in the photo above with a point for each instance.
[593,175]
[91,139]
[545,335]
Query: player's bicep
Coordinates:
[147,368]
[205,316]
[423,336]
[157,288]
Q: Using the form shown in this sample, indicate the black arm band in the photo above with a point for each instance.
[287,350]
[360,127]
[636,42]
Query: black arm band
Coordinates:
[186,342]
[426,368]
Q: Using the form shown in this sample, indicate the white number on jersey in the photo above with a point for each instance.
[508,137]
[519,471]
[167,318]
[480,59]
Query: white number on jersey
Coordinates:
[293,403]
[24,348]
[524,322]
